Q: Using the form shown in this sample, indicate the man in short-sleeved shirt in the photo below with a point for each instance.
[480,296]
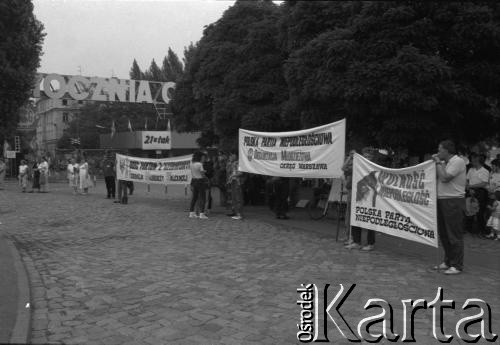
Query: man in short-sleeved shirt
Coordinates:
[451,180]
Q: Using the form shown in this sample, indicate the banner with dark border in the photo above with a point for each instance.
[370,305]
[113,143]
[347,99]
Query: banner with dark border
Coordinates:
[310,153]
[175,170]
[397,202]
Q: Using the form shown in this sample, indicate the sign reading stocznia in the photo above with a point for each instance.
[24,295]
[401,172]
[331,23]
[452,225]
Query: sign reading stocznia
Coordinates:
[175,170]
[311,153]
[81,88]
[397,202]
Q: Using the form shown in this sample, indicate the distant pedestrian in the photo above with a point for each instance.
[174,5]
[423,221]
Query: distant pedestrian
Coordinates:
[451,181]
[208,166]
[370,154]
[493,224]
[198,187]
[109,171]
[281,192]
[3,168]
[23,175]
[478,182]
[84,175]
[122,197]
[72,174]
[130,186]
[43,168]
[235,180]
[220,178]
[36,175]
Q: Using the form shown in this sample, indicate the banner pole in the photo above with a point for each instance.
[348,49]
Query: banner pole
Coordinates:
[339,210]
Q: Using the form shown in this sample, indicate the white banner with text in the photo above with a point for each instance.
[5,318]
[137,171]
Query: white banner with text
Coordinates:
[311,153]
[397,202]
[175,170]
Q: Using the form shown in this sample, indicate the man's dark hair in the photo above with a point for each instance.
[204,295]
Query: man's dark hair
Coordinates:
[449,146]
[197,156]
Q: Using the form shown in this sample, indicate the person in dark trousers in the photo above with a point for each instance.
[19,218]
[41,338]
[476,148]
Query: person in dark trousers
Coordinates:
[370,154]
[281,192]
[122,192]
[130,186]
[477,183]
[208,166]
[198,187]
[109,170]
[451,181]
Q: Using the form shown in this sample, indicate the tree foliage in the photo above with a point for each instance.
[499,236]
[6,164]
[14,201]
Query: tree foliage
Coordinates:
[400,71]
[21,38]
[233,77]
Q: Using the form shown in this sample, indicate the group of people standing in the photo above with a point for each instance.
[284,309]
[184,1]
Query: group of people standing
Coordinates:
[78,175]
[223,174]
[458,180]
[38,172]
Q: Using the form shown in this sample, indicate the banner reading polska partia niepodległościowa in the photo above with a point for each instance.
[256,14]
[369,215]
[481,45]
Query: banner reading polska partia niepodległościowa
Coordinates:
[311,153]
[398,202]
[175,170]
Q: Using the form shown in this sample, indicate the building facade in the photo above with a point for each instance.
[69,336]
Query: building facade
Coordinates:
[53,117]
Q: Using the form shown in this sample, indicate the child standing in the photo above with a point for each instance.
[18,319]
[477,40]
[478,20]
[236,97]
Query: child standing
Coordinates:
[493,223]
[23,175]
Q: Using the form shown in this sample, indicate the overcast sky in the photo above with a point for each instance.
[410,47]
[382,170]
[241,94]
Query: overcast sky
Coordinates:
[104,37]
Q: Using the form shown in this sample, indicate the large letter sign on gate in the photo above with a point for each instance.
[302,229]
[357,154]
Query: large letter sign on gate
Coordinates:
[311,153]
[81,88]
[397,202]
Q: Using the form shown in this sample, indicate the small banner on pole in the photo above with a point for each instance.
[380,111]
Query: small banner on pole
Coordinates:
[397,202]
[311,153]
[165,171]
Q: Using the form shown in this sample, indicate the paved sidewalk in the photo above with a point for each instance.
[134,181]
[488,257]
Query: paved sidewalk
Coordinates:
[143,273]
[8,291]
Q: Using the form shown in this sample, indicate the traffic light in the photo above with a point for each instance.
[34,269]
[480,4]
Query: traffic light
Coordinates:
[17,144]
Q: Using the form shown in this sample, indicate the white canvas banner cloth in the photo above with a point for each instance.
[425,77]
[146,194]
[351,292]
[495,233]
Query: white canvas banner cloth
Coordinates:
[398,202]
[175,170]
[310,153]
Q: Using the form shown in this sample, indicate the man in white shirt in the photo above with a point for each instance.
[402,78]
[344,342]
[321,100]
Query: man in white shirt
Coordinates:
[451,180]
[477,182]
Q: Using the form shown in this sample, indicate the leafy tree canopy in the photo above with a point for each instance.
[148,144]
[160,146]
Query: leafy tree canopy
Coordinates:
[233,77]
[21,38]
[398,71]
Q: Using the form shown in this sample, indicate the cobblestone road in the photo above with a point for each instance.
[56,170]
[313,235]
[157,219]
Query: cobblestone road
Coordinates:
[143,273]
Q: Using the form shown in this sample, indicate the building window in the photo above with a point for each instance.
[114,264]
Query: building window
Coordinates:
[65,102]
[65,117]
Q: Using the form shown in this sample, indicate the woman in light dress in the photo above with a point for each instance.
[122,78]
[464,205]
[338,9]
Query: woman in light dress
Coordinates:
[23,175]
[85,181]
[72,171]
[43,168]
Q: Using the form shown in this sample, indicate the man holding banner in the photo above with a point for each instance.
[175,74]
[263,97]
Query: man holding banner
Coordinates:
[451,180]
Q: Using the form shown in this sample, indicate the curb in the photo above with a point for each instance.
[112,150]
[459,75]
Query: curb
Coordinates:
[21,332]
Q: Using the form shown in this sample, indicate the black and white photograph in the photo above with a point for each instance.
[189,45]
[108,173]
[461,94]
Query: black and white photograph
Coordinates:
[249,172]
